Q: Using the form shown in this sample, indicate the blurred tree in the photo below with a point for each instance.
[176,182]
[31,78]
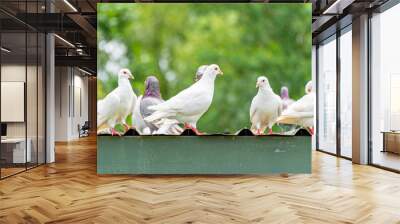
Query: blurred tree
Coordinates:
[170,41]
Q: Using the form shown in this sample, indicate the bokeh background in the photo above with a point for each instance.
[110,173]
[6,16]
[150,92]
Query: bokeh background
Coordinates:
[170,41]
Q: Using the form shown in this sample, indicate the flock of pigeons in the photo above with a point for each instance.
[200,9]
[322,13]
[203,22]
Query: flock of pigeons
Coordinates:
[152,115]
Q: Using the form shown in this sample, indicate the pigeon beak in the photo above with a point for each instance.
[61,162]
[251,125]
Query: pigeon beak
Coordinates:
[131,77]
[220,72]
[257,85]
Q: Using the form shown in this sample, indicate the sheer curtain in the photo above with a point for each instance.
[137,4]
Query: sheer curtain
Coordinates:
[327,95]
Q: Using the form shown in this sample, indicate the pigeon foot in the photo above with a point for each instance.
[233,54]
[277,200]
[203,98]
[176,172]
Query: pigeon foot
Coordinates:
[114,132]
[197,131]
[311,130]
[188,126]
[270,131]
[126,127]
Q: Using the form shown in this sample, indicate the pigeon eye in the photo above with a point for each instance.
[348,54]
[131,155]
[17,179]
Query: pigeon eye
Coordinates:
[215,69]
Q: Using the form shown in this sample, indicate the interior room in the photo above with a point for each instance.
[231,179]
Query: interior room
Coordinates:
[53,62]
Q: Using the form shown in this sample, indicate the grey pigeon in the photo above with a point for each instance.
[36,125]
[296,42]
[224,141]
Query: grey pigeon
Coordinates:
[151,97]
[286,101]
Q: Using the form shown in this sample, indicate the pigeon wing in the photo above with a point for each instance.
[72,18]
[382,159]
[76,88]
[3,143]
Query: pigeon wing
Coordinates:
[146,103]
[253,108]
[107,108]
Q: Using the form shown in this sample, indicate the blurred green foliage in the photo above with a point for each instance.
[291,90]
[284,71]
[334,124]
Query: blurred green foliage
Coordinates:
[170,41]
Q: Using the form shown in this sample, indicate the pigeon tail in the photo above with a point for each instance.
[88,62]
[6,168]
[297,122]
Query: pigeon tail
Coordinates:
[284,119]
[157,115]
[101,120]
[299,119]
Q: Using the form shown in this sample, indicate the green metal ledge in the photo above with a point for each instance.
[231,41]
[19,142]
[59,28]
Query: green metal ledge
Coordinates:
[213,154]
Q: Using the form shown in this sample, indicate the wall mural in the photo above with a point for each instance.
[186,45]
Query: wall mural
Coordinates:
[204,69]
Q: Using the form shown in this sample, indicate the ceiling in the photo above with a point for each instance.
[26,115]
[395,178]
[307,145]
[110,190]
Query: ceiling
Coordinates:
[74,22]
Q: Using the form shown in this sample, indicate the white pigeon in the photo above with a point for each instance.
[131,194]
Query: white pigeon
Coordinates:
[117,105]
[200,71]
[301,112]
[190,104]
[265,108]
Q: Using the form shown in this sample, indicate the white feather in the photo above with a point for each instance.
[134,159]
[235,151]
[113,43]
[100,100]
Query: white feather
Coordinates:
[169,127]
[300,112]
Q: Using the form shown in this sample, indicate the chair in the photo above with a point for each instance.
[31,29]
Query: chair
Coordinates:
[84,130]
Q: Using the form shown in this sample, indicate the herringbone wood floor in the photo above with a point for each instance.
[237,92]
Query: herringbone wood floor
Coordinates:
[69,191]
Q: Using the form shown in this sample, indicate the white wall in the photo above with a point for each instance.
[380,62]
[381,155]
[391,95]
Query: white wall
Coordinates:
[71,102]
[80,104]
[14,73]
[61,103]
[33,126]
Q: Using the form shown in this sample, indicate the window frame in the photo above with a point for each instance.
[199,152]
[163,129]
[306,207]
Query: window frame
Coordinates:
[347,27]
[381,9]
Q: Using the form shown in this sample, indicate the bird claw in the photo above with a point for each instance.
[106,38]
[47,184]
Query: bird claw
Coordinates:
[197,131]
[270,131]
[311,129]
[188,126]
[114,132]
[126,127]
